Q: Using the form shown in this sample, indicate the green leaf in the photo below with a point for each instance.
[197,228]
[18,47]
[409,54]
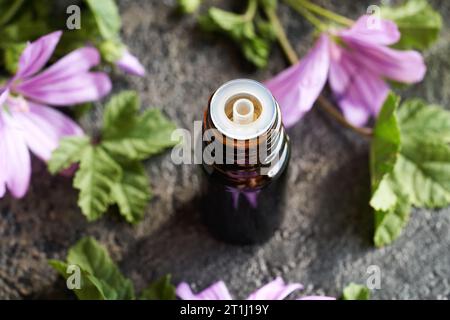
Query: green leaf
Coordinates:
[111,51]
[107,17]
[423,172]
[188,6]
[135,137]
[120,113]
[390,223]
[417,173]
[254,42]
[257,51]
[90,288]
[100,276]
[418,119]
[97,175]
[161,289]
[418,23]
[132,193]
[70,151]
[356,292]
[383,153]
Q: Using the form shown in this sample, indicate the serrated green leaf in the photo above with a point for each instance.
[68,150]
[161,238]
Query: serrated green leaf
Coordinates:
[90,288]
[107,17]
[390,223]
[132,193]
[421,174]
[70,151]
[100,276]
[418,23]
[418,119]
[161,289]
[386,142]
[95,179]
[356,292]
[120,113]
[135,137]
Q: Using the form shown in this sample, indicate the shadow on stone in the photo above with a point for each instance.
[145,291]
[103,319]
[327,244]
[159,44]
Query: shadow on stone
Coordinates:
[184,248]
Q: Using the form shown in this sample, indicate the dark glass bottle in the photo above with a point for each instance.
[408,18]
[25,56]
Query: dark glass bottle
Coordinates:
[246,153]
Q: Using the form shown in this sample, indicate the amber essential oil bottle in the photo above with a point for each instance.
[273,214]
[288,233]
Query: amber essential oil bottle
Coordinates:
[246,153]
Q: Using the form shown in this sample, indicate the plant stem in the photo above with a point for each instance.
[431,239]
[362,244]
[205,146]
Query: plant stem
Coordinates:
[323,102]
[281,36]
[251,10]
[320,11]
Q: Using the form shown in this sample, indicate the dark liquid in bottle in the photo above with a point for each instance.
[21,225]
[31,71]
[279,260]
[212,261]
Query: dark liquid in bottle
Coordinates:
[245,164]
[244,217]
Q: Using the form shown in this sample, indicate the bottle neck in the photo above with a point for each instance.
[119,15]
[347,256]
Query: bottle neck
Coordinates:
[245,163]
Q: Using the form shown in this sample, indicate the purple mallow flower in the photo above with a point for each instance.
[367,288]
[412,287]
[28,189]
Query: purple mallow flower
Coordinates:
[130,64]
[275,290]
[357,63]
[26,122]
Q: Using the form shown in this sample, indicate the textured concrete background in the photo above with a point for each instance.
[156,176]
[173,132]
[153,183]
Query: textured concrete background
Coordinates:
[325,241]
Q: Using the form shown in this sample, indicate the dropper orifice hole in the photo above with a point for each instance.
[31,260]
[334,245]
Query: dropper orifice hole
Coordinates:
[243,111]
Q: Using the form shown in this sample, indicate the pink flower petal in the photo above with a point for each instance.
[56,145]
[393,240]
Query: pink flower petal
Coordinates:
[79,88]
[402,66]
[359,93]
[316,298]
[275,290]
[44,127]
[130,64]
[366,28]
[75,63]
[37,54]
[297,88]
[3,96]
[218,291]
[14,158]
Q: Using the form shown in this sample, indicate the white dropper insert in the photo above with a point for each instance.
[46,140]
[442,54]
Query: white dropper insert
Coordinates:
[241,123]
[243,111]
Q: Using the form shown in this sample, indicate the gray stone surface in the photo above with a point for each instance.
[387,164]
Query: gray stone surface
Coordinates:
[325,241]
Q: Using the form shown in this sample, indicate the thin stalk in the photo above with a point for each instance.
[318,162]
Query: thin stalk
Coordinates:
[323,102]
[281,36]
[251,10]
[321,11]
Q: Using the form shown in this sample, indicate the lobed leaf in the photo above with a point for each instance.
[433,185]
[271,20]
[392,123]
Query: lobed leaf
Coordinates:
[132,192]
[418,23]
[101,279]
[161,289]
[131,136]
[356,292]
[95,179]
[69,151]
[107,17]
